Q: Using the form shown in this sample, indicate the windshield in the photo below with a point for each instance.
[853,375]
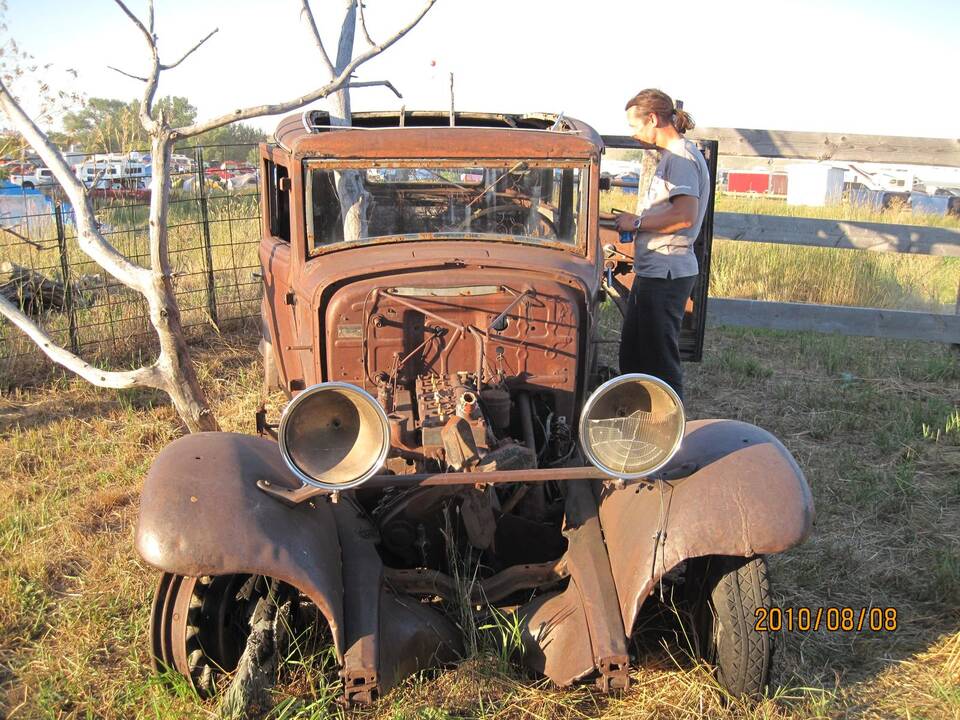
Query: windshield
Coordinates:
[526,201]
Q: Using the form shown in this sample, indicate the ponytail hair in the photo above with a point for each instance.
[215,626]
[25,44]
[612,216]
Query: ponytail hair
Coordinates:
[660,104]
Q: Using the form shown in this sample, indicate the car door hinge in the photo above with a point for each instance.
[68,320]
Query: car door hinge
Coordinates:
[290,299]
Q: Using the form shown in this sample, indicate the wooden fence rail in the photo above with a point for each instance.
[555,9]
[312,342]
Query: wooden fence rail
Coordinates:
[851,235]
[832,146]
[869,322]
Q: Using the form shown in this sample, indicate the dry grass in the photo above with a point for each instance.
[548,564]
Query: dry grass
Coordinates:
[873,423]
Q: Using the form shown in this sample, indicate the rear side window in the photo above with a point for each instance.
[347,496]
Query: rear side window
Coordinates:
[278,199]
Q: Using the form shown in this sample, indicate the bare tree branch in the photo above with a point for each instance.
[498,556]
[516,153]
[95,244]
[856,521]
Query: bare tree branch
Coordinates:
[377,49]
[373,83]
[146,102]
[89,238]
[363,24]
[25,239]
[150,16]
[149,376]
[96,178]
[129,75]
[148,34]
[189,52]
[305,10]
[321,92]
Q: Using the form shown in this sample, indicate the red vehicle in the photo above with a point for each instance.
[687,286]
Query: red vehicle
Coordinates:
[431,304]
[229,169]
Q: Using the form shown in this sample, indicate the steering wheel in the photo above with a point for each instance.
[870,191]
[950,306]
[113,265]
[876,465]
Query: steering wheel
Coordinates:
[514,220]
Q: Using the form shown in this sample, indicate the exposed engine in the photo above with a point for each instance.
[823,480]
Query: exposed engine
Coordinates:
[453,423]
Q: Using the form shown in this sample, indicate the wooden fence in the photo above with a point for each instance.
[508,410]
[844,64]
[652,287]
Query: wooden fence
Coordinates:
[877,237]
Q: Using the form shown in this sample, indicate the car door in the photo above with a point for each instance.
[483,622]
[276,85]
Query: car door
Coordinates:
[276,260]
[694,320]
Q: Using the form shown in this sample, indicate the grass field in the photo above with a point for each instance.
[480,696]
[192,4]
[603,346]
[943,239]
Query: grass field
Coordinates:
[826,276]
[875,425]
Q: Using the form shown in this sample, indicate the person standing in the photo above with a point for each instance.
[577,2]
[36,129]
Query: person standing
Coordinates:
[668,220]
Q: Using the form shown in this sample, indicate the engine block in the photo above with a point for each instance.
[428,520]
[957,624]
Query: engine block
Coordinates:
[439,399]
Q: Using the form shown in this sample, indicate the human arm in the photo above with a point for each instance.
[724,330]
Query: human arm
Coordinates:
[672,217]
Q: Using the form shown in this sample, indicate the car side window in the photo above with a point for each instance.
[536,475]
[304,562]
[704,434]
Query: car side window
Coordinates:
[278,199]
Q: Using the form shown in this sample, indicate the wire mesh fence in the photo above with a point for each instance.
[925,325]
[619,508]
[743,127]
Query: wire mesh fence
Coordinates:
[213,226]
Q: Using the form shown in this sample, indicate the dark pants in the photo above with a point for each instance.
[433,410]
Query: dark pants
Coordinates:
[650,340]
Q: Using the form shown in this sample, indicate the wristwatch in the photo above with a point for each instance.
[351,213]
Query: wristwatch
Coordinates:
[636,223]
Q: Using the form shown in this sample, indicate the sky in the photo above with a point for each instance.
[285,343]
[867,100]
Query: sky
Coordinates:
[855,66]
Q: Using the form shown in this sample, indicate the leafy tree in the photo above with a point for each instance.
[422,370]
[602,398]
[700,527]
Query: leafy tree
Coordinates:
[235,141]
[110,125]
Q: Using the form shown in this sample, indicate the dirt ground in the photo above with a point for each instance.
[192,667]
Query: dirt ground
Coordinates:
[874,424]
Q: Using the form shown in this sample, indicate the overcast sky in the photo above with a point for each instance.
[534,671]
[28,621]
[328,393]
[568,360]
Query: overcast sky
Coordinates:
[856,66]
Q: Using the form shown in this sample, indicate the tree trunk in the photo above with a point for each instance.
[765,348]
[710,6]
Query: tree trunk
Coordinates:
[174,361]
[354,200]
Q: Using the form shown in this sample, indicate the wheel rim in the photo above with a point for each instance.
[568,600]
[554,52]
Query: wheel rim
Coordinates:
[159,657]
[199,626]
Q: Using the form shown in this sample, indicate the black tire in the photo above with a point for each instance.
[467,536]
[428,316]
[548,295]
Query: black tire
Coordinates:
[729,595]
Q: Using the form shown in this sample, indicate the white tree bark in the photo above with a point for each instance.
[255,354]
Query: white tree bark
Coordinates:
[353,198]
[150,376]
[173,370]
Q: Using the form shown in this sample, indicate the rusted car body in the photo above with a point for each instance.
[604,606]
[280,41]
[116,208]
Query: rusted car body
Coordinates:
[442,355]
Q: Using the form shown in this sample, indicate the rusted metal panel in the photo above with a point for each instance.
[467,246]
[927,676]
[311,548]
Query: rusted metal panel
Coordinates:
[413,637]
[590,569]
[201,513]
[745,496]
[362,578]
[278,314]
[556,637]
[540,341]
[443,143]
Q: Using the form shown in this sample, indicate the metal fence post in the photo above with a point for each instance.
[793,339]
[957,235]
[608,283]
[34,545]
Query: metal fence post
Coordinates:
[207,249]
[956,346]
[65,272]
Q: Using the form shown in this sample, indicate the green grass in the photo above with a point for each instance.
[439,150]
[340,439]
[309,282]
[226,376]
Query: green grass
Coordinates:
[873,424]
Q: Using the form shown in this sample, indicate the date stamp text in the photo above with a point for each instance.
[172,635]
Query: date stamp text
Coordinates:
[831,619]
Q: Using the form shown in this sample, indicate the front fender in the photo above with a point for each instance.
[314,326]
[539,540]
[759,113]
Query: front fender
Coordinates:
[201,513]
[742,495]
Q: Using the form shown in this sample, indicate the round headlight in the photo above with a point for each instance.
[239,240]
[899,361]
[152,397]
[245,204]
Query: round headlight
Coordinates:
[334,436]
[632,425]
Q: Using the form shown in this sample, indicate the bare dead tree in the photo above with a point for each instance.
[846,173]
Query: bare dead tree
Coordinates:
[354,200]
[173,370]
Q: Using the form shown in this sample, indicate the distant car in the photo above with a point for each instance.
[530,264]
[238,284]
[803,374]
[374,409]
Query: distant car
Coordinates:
[431,307]
[34,178]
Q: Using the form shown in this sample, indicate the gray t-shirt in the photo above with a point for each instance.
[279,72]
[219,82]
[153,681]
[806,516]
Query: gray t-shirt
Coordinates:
[681,171]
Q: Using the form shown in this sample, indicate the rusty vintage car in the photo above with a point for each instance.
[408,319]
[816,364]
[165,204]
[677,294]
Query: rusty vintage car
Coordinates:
[433,289]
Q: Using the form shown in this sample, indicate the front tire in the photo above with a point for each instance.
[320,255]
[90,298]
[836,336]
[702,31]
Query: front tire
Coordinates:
[730,595]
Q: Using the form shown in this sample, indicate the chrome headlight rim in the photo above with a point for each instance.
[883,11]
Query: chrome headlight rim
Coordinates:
[288,413]
[600,392]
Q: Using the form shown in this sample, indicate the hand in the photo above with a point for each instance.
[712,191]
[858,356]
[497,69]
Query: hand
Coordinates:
[625,222]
